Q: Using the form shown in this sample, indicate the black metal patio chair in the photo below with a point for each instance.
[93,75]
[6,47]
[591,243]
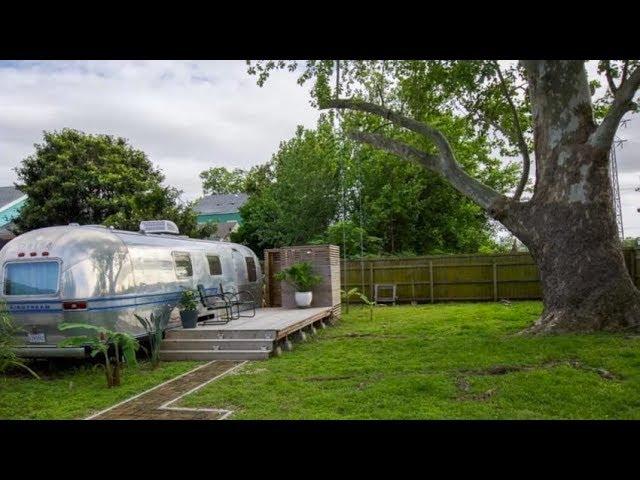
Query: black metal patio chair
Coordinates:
[243,301]
[214,303]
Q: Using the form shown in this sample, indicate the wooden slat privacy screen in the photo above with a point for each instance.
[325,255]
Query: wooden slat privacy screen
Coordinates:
[325,260]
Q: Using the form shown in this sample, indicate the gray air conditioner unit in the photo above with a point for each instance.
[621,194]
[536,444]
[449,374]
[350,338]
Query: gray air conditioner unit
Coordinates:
[159,226]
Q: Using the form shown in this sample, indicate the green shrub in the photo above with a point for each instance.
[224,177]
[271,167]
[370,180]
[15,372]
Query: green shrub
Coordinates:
[154,326]
[8,342]
[100,342]
[354,292]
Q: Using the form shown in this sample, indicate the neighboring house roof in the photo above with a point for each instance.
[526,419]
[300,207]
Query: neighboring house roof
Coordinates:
[220,204]
[224,230]
[5,233]
[11,201]
[9,195]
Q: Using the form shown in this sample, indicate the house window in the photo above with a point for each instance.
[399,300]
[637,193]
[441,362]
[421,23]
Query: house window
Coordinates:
[251,269]
[182,262]
[215,267]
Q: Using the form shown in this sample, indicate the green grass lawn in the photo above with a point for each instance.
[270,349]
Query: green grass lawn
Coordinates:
[70,392]
[447,361]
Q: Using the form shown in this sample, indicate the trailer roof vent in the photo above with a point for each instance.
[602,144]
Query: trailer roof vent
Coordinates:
[159,226]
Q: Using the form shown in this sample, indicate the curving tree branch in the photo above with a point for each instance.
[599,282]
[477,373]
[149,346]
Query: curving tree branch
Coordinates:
[622,103]
[522,144]
[398,148]
[625,70]
[444,164]
[609,76]
[422,128]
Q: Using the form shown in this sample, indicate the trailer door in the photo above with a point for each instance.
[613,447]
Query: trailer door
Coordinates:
[240,267]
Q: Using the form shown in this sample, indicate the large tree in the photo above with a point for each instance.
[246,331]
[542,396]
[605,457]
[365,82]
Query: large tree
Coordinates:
[415,211]
[538,107]
[297,193]
[221,180]
[95,179]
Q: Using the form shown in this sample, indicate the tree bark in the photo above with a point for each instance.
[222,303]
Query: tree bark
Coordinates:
[573,238]
[569,224]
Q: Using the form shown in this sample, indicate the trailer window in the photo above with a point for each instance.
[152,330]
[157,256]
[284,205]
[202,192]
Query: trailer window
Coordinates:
[31,278]
[182,261]
[215,267]
[251,269]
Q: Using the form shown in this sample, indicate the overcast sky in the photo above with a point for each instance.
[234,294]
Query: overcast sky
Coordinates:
[187,116]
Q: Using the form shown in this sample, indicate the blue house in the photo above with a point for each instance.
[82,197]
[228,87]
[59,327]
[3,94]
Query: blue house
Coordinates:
[224,211]
[11,201]
[220,208]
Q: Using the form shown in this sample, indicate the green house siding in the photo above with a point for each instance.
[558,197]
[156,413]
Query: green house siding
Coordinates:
[7,215]
[220,217]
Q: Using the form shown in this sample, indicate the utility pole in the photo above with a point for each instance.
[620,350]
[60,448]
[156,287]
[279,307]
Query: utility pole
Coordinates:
[615,186]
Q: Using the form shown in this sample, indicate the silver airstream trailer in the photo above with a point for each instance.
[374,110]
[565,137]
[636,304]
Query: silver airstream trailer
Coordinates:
[93,274]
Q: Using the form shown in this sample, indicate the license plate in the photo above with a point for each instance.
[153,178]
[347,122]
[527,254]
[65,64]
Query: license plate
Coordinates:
[36,338]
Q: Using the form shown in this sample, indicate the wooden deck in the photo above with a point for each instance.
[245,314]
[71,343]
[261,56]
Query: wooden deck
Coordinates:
[258,337]
[276,319]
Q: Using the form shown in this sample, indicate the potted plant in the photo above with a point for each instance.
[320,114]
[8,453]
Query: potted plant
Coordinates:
[189,309]
[300,275]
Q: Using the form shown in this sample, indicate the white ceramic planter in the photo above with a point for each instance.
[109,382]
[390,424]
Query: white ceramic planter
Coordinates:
[303,299]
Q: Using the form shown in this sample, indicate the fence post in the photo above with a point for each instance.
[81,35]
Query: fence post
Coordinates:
[371,296]
[431,278]
[633,265]
[495,282]
[413,286]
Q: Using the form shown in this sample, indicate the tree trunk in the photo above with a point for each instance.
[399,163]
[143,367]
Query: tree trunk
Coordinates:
[570,229]
[569,224]
[585,283]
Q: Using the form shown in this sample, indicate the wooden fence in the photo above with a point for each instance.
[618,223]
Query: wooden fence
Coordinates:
[457,277]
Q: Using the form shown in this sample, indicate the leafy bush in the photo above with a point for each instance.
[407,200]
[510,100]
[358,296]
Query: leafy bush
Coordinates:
[8,332]
[189,301]
[300,275]
[154,326]
[354,292]
[100,343]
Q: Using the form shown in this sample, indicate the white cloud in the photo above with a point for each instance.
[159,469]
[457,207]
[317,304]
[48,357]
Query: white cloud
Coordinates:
[187,116]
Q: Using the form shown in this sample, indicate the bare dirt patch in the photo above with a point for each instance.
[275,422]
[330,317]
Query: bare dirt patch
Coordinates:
[464,385]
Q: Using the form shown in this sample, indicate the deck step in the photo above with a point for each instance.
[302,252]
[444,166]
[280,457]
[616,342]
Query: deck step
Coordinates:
[220,344]
[175,355]
[211,333]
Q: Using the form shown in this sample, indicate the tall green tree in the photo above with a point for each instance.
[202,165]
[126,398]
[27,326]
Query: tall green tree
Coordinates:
[542,106]
[315,180]
[95,179]
[299,192]
[258,178]
[221,180]
[415,211]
